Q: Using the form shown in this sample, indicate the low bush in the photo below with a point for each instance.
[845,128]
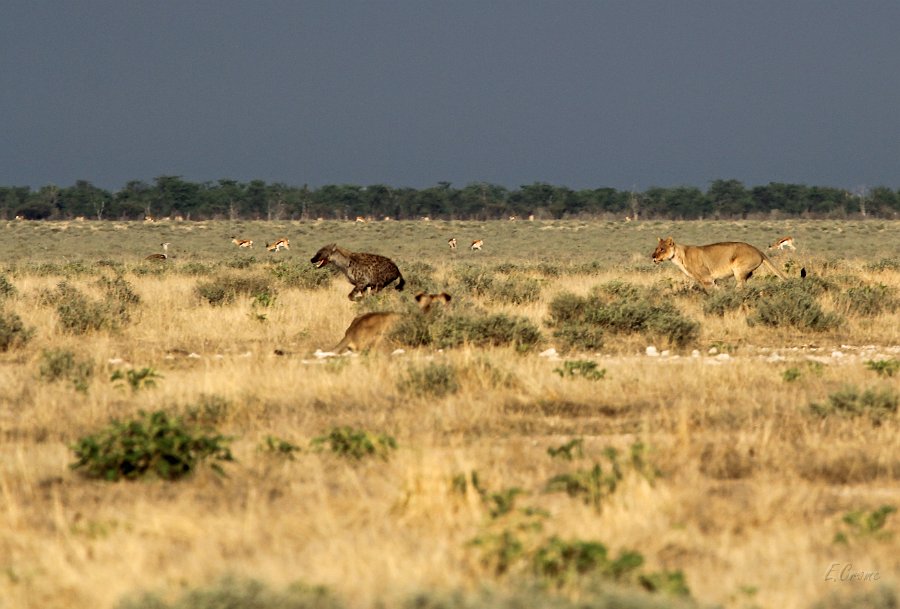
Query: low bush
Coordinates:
[226,289]
[794,305]
[496,330]
[517,290]
[13,332]
[300,275]
[78,314]
[355,443]
[617,308]
[432,380]
[472,280]
[868,300]
[231,593]
[62,364]
[7,289]
[850,402]
[152,445]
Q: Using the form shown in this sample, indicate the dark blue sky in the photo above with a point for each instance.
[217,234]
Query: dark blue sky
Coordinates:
[626,94]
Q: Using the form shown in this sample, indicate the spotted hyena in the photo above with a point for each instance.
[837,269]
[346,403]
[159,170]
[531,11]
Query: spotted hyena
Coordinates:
[363,270]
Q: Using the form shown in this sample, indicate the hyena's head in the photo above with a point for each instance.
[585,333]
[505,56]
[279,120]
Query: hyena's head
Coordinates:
[323,256]
[426,300]
[665,250]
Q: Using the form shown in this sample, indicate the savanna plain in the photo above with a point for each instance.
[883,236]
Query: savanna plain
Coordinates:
[578,427]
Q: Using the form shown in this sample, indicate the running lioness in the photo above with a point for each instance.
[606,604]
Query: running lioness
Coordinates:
[706,263]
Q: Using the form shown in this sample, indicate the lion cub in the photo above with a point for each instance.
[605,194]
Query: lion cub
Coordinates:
[370,329]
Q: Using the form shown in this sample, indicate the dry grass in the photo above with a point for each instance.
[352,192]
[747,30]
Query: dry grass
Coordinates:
[751,489]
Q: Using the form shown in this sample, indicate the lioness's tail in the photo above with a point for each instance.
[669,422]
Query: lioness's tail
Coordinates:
[772,267]
[401,283]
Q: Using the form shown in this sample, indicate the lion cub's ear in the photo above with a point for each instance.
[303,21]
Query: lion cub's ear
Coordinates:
[443,296]
[420,296]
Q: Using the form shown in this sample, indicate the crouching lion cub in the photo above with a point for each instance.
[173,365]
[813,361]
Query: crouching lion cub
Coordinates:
[369,330]
[706,263]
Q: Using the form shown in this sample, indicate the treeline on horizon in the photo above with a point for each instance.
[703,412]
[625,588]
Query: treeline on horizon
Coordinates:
[174,197]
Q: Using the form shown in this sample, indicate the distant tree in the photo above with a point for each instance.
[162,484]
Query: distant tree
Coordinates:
[729,199]
[84,199]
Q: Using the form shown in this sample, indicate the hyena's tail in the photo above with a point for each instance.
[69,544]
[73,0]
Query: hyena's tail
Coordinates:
[401,283]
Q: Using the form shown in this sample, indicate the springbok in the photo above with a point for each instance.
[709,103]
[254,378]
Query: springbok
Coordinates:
[783,243]
[477,244]
[163,256]
[280,243]
[361,219]
[452,243]
[242,242]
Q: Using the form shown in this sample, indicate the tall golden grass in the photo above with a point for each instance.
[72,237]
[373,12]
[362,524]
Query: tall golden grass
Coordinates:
[752,487]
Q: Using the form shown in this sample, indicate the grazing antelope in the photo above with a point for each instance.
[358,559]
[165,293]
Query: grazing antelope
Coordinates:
[20,217]
[149,219]
[512,218]
[242,242]
[531,217]
[477,244]
[783,243]
[361,220]
[163,256]
[452,243]
[280,243]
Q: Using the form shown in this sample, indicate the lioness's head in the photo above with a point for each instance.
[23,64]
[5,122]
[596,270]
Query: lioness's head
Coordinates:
[665,250]
[323,256]
[426,300]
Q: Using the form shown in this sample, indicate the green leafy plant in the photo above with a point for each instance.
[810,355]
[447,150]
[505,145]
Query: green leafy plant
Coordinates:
[585,369]
[866,525]
[63,364]
[276,446]
[884,367]
[239,593]
[152,445]
[225,290]
[7,289]
[136,379]
[355,443]
[432,379]
[13,332]
[561,561]
[850,402]
[568,451]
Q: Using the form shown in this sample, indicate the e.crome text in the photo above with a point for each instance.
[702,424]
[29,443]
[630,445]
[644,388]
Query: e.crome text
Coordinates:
[839,572]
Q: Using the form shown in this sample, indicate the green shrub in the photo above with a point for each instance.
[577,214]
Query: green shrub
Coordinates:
[152,445]
[792,305]
[617,308]
[7,289]
[581,369]
[562,561]
[432,379]
[517,290]
[13,332]
[885,367]
[866,525]
[876,404]
[355,443]
[276,446]
[197,269]
[472,280]
[496,330]
[135,378]
[885,264]
[571,449]
[78,314]
[868,300]
[303,276]
[64,365]
[232,593]
[225,290]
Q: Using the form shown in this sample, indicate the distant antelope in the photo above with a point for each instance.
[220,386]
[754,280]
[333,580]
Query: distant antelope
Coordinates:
[783,243]
[163,256]
[452,243]
[512,218]
[242,242]
[20,217]
[280,243]
[477,244]
[149,219]
[361,220]
[531,217]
